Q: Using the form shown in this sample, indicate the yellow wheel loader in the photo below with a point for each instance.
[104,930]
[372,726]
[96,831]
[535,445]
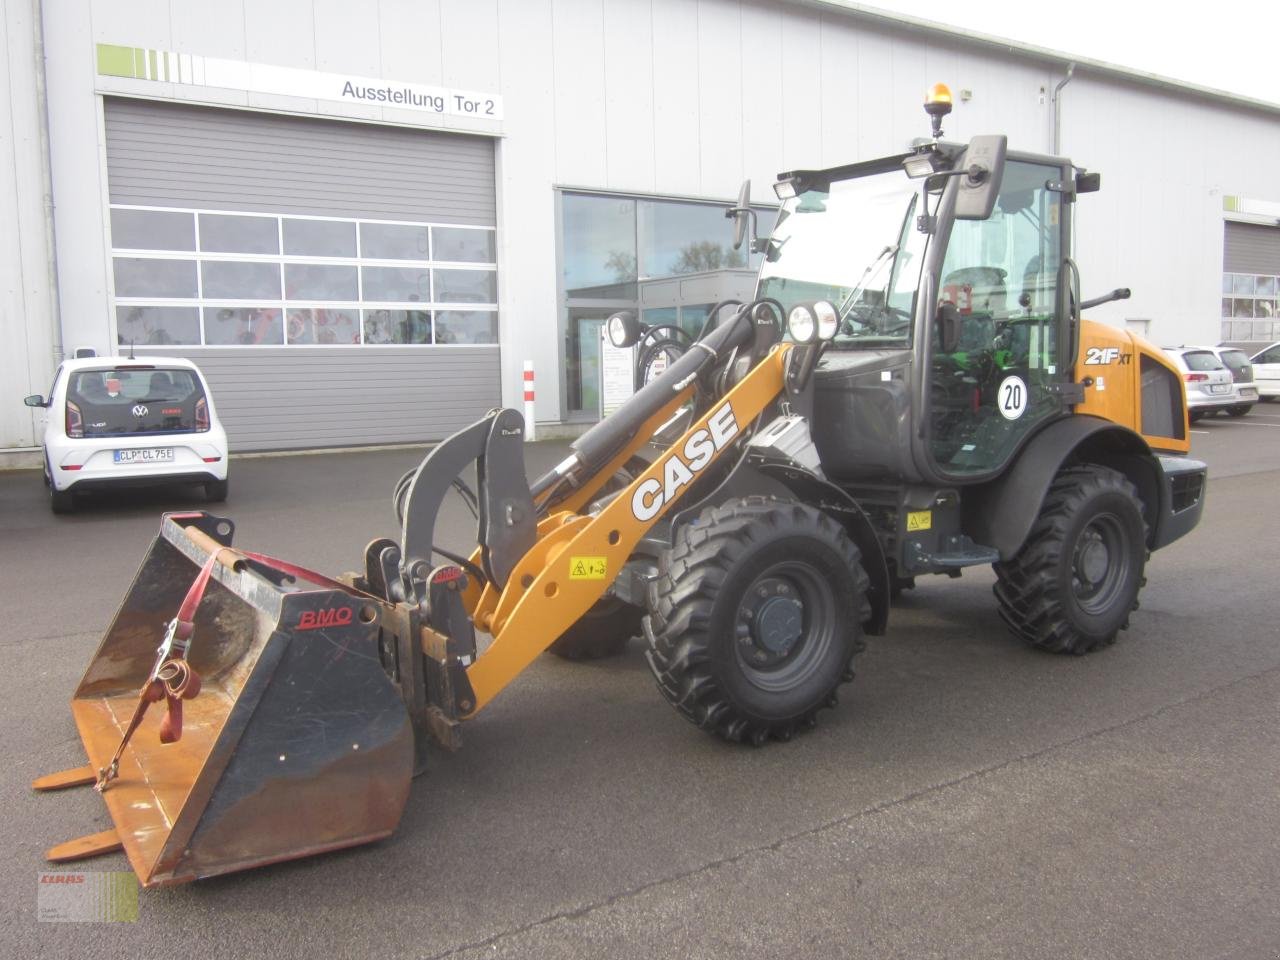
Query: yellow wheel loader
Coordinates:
[912,391]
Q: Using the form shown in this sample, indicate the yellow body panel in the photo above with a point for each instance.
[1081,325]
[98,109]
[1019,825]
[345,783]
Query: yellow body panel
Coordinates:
[543,597]
[1110,367]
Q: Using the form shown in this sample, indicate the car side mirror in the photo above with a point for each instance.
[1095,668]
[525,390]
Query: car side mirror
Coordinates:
[35,400]
[949,321]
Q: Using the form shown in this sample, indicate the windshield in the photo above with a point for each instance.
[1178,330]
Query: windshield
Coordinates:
[855,243]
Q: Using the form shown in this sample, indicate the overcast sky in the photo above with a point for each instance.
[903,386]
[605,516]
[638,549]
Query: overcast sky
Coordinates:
[1226,45]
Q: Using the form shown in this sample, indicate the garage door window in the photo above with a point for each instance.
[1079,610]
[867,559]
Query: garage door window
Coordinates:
[205,278]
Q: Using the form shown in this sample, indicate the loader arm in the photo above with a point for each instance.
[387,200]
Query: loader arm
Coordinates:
[576,558]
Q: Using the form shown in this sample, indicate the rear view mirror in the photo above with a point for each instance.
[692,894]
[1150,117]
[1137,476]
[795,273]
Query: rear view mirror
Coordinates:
[949,321]
[35,400]
[981,171]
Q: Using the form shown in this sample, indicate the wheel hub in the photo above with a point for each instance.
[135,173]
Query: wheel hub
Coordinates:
[770,622]
[1093,559]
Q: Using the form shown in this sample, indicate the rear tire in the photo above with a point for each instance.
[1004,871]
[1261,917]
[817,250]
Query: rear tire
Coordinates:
[1073,584]
[603,631]
[755,618]
[215,491]
[61,501]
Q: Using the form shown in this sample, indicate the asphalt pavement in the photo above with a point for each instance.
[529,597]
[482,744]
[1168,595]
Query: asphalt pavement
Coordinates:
[969,797]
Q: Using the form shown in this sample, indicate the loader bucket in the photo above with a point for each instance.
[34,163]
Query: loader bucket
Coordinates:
[297,743]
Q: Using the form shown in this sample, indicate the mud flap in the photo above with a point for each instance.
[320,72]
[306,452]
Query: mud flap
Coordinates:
[298,742]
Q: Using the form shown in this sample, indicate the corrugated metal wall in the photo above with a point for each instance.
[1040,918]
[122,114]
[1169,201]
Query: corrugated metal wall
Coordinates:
[1251,248]
[298,398]
[301,397]
[174,155]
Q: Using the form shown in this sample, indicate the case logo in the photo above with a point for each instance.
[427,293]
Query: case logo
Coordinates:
[681,466]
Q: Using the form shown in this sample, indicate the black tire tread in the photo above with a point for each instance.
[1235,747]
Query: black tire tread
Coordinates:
[1025,585]
[680,608]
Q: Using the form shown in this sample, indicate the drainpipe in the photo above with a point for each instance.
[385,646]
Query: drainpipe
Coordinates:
[46,185]
[1057,110]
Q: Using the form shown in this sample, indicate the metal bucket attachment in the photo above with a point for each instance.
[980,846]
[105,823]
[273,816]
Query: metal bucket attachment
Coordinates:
[298,741]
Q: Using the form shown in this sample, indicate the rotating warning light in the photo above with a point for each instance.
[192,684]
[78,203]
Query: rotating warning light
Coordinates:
[937,104]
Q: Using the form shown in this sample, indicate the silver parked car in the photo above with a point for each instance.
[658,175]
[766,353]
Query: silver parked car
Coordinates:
[1209,383]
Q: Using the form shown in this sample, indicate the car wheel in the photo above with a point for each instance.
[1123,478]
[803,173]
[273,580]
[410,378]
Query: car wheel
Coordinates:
[61,501]
[1071,587]
[215,491]
[755,618]
[1239,411]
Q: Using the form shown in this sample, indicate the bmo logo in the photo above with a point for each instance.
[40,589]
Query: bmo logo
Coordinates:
[331,617]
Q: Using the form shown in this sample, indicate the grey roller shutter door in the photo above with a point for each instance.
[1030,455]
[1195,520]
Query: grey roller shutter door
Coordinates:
[1252,248]
[297,397]
[174,155]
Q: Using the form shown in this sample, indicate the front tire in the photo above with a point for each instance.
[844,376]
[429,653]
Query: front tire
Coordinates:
[1071,587]
[755,618]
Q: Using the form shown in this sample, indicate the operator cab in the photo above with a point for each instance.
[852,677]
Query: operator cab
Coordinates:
[949,269]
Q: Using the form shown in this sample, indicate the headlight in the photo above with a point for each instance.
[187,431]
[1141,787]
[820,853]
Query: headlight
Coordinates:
[623,329]
[802,324]
[617,331]
[828,319]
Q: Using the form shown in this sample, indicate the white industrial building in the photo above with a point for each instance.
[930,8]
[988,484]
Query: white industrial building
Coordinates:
[362,219]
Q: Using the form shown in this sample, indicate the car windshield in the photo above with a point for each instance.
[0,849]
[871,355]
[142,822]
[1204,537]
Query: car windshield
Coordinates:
[852,242]
[135,399]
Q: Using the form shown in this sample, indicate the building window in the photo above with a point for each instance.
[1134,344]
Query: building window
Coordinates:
[1250,307]
[622,252]
[207,278]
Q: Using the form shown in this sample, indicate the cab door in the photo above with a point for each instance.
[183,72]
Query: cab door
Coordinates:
[1003,379]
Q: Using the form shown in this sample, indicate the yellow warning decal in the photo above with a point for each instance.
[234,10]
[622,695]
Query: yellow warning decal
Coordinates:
[919,520]
[588,568]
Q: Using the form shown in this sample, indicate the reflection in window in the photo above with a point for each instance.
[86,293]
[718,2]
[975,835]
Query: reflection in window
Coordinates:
[466,326]
[393,241]
[152,230]
[599,246]
[256,326]
[397,326]
[240,280]
[157,325]
[228,233]
[314,281]
[323,325]
[679,238]
[140,277]
[460,245]
[319,238]
[397,283]
[466,286]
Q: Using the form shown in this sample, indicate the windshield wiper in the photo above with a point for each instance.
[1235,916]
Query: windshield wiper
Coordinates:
[890,250]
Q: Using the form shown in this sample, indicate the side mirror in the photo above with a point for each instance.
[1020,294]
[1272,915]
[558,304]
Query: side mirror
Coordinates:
[741,213]
[949,321]
[623,329]
[981,171]
[35,400]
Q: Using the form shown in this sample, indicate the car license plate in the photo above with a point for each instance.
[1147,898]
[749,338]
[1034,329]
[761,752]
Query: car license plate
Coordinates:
[144,455]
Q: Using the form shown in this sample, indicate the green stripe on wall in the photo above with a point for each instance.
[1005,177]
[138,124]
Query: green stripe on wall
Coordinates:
[115,61]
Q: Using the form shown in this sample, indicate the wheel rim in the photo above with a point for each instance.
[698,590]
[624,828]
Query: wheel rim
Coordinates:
[785,625]
[1100,564]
